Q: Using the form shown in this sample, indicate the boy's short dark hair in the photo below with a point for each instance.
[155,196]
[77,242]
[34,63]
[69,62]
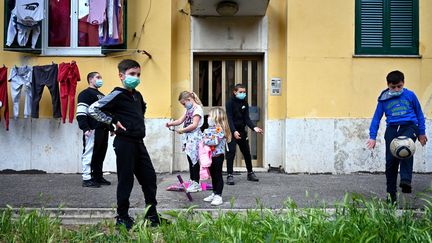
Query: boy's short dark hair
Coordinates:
[127,64]
[91,75]
[395,77]
[238,86]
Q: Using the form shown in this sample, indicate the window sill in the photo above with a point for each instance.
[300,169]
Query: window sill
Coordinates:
[67,51]
[385,56]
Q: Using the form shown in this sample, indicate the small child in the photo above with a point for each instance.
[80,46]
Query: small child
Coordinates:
[404,118]
[192,122]
[216,136]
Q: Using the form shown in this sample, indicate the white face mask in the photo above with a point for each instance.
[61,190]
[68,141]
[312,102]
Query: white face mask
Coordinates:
[211,122]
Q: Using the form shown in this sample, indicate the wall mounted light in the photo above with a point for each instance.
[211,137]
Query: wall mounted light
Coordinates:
[227,8]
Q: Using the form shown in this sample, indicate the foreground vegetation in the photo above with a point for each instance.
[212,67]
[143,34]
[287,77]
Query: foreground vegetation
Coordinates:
[354,220]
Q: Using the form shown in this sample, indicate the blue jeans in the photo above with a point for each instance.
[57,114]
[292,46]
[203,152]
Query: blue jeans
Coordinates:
[392,163]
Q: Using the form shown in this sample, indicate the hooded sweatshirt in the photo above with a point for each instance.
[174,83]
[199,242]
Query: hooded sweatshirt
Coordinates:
[399,110]
[125,106]
[238,115]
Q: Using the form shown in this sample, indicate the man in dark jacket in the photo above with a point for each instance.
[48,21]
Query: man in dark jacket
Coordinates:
[95,134]
[237,110]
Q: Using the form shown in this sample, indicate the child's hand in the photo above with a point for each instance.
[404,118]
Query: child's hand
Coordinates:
[88,133]
[371,143]
[422,139]
[258,130]
[119,125]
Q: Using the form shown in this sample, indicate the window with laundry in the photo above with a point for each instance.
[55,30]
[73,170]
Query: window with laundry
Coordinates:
[387,27]
[65,27]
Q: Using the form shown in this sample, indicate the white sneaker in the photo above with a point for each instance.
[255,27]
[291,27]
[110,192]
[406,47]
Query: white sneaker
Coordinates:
[194,187]
[217,200]
[209,198]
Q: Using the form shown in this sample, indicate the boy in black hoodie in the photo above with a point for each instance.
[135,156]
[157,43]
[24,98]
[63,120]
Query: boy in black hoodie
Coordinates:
[237,110]
[125,108]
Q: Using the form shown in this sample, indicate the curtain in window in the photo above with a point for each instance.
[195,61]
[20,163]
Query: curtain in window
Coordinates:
[59,23]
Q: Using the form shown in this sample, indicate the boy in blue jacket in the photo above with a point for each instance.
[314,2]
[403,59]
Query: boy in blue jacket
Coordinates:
[404,117]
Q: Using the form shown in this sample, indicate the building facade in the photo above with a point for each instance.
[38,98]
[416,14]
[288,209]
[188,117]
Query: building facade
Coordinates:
[313,72]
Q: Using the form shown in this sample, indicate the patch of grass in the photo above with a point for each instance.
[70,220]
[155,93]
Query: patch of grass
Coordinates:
[355,219]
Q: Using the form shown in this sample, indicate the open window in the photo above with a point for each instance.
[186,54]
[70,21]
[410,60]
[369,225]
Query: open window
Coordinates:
[65,27]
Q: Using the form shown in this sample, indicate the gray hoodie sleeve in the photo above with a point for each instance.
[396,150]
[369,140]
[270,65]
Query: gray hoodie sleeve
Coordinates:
[98,109]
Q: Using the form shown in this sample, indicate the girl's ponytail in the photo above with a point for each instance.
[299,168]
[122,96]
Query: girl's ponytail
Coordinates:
[196,98]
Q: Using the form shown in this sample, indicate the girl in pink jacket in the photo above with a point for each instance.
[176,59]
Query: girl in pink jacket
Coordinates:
[216,137]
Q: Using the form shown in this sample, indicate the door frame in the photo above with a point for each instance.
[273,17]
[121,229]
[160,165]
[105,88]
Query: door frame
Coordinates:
[262,72]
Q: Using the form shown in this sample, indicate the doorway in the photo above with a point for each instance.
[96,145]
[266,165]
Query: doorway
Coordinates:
[215,76]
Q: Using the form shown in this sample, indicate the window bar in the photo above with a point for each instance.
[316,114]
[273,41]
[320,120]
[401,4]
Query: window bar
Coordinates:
[210,82]
[223,82]
[249,80]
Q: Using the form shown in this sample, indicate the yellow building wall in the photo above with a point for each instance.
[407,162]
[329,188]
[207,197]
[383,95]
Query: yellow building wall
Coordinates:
[149,29]
[324,80]
[181,59]
[277,61]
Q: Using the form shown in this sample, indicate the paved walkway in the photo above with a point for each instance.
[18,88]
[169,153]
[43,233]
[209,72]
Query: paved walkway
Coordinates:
[65,191]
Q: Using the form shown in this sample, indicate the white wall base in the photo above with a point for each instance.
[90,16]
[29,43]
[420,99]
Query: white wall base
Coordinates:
[299,145]
[339,146]
[54,147]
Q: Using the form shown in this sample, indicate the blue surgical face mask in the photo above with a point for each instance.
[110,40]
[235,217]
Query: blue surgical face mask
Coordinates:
[188,105]
[395,93]
[241,96]
[131,82]
[98,83]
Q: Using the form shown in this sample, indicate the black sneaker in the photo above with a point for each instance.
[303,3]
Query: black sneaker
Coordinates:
[391,199]
[230,180]
[126,221]
[406,187]
[252,177]
[102,181]
[90,183]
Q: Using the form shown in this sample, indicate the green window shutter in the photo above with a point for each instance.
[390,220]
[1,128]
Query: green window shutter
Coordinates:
[403,26]
[386,27]
[371,28]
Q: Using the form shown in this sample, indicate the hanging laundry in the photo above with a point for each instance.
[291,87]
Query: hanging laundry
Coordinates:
[4,95]
[109,31]
[68,77]
[83,8]
[25,20]
[97,12]
[21,81]
[88,34]
[45,76]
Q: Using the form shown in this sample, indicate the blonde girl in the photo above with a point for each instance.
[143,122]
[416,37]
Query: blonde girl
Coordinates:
[217,135]
[192,121]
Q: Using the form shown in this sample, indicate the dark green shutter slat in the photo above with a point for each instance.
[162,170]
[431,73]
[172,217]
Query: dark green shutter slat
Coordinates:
[401,23]
[372,23]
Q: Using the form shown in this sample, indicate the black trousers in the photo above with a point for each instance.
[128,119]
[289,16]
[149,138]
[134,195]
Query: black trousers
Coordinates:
[45,76]
[216,174]
[133,159]
[392,163]
[243,144]
[99,151]
[194,170]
